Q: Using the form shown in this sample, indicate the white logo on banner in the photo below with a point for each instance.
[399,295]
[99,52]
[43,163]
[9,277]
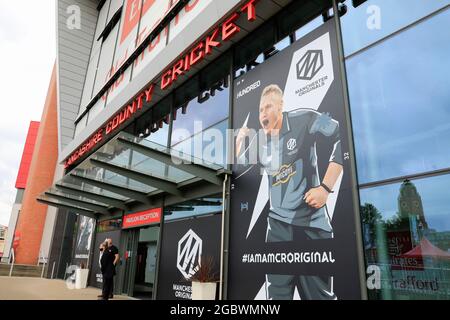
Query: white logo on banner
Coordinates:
[189,254]
[291,144]
[310,75]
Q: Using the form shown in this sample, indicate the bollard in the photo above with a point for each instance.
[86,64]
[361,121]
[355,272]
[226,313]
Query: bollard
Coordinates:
[53,269]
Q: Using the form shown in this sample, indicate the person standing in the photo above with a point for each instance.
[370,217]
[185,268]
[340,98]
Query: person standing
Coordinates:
[110,259]
[101,261]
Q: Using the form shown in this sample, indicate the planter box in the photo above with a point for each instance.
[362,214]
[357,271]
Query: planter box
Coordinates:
[204,290]
[81,278]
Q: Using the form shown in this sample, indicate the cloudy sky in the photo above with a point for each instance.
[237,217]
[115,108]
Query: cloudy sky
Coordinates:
[27,55]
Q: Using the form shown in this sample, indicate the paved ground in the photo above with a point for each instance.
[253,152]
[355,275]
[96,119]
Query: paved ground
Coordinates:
[43,289]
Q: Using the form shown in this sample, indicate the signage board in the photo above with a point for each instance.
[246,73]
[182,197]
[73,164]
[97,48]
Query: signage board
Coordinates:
[293,231]
[144,218]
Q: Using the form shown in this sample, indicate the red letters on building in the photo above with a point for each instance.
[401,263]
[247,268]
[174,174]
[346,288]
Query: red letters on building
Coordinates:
[250,7]
[211,42]
[131,18]
[228,30]
[112,125]
[203,48]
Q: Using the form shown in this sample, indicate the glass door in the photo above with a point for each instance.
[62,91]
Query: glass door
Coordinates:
[130,260]
[144,284]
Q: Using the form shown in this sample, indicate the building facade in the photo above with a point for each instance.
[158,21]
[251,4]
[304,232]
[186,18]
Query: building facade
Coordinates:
[291,143]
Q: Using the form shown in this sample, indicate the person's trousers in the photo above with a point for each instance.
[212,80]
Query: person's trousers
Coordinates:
[282,287]
[108,287]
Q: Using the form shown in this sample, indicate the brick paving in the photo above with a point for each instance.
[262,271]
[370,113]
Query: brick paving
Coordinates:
[44,289]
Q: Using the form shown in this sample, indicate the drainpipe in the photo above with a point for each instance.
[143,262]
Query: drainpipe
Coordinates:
[223,235]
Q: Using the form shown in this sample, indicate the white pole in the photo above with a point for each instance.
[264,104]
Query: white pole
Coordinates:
[223,236]
[13,258]
[53,269]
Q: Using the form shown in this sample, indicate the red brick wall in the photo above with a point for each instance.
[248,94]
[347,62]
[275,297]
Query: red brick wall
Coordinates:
[42,169]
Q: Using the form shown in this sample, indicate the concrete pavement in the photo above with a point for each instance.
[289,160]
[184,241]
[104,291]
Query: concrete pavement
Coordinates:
[44,289]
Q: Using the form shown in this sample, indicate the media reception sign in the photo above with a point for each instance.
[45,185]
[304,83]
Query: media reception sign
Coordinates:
[184,244]
[292,225]
[144,218]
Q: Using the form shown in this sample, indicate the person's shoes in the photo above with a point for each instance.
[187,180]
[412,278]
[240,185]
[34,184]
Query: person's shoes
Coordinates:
[100,296]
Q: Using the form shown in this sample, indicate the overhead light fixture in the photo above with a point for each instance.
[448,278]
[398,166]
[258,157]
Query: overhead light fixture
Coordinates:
[154,128]
[342,9]
[167,119]
[357,3]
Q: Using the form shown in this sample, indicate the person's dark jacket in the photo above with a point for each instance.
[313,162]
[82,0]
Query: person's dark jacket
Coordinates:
[107,262]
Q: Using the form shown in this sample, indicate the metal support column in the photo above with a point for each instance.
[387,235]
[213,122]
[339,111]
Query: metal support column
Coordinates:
[349,133]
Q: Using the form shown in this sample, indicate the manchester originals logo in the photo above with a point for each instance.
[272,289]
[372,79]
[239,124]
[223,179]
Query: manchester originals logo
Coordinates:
[189,254]
[291,144]
[310,64]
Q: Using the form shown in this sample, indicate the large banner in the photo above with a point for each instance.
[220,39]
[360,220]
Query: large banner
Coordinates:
[185,244]
[84,239]
[292,232]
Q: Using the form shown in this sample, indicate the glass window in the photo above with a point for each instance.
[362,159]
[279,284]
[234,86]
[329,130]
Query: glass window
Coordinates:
[90,78]
[102,17]
[96,109]
[209,108]
[109,225]
[400,103]
[307,28]
[253,45]
[152,14]
[407,238]
[376,19]
[277,47]
[93,60]
[300,13]
[153,126]
[80,125]
[197,207]
[209,145]
[106,60]
[160,136]
[113,8]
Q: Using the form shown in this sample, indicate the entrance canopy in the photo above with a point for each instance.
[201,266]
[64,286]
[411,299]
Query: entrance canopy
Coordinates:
[129,171]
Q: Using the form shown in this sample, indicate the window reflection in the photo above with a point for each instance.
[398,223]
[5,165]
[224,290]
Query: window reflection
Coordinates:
[109,225]
[307,28]
[209,108]
[209,146]
[407,235]
[376,19]
[400,103]
[197,207]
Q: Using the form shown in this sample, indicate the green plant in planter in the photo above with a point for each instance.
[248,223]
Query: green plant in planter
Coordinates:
[204,281]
